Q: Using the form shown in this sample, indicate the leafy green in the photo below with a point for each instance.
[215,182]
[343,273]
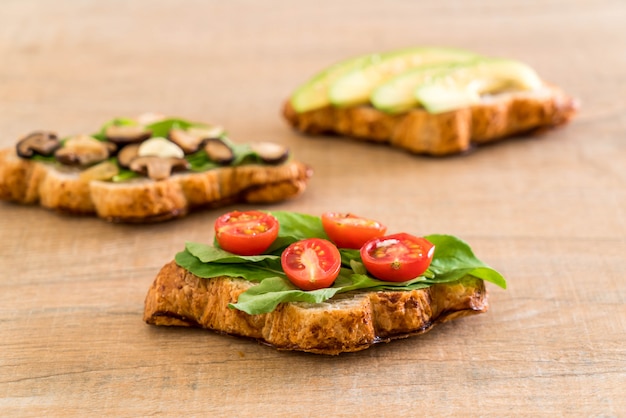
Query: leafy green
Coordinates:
[254,272]
[275,290]
[124,175]
[211,254]
[295,227]
[198,161]
[44,158]
[163,127]
[117,122]
[453,261]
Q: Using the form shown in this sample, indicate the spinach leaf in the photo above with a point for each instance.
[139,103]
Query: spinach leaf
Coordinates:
[275,290]
[117,121]
[454,259]
[163,127]
[210,254]
[255,272]
[125,175]
[44,158]
[199,161]
[295,227]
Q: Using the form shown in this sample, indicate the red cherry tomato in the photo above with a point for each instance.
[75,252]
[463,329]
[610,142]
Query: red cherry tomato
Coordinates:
[350,231]
[246,233]
[312,263]
[398,257]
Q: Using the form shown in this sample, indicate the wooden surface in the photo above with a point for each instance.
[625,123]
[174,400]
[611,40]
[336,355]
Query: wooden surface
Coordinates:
[548,212]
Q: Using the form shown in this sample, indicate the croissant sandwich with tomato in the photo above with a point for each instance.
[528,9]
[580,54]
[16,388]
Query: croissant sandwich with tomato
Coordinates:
[428,100]
[327,285]
[147,169]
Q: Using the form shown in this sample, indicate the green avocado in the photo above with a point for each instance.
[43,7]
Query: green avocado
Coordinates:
[462,86]
[314,93]
[398,94]
[356,86]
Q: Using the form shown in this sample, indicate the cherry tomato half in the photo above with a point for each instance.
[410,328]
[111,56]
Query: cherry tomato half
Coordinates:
[398,257]
[312,263]
[350,231]
[246,233]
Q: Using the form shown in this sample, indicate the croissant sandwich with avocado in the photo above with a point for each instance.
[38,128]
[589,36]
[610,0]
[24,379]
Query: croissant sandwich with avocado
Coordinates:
[327,285]
[428,100]
[147,169]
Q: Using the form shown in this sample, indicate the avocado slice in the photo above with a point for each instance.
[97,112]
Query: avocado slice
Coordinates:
[398,94]
[356,86]
[462,86]
[314,93]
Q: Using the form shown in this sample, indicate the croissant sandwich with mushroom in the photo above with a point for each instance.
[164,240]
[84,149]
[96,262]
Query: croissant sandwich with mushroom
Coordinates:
[428,100]
[147,169]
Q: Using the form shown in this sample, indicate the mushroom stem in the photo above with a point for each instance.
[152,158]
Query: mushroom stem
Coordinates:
[158,168]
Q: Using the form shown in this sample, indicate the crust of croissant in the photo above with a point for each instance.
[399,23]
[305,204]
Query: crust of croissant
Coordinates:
[348,322]
[494,118]
[144,200]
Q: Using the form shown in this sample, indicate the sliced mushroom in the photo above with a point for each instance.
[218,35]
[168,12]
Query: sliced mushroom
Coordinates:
[126,134]
[105,170]
[84,150]
[188,142]
[270,152]
[204,132]
[158,168]
[39,142]
[127,155]
[219,151]
[160,147]
[148,118]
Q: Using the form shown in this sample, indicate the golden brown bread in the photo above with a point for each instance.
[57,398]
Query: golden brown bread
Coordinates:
[349,322]
[417,131]
[145,200]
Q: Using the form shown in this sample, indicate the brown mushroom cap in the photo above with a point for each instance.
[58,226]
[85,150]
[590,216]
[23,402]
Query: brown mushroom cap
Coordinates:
[127,155]
[160,147]
[218,151]
[126,134]
[270,152]
[38,142]
[84,150]
[158,168]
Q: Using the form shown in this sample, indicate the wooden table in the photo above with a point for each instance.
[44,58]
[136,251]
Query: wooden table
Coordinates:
[548,212]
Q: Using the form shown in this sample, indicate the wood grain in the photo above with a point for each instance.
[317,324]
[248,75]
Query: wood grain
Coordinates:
[548,212]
